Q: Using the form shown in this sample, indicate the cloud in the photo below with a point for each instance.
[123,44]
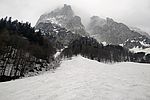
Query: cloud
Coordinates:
[131,12]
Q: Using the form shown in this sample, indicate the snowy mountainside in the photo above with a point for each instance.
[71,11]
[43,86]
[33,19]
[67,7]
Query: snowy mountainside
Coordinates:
[116,33]
[101,29]
[65,18]
[57,35]
[83,79]
[139,42]
[146,50]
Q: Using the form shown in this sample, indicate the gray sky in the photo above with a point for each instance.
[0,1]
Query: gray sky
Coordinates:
[131,12]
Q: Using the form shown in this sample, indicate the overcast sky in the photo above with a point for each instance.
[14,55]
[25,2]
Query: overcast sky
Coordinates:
[131,12]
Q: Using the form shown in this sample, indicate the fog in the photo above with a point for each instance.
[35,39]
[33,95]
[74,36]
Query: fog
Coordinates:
[131,12]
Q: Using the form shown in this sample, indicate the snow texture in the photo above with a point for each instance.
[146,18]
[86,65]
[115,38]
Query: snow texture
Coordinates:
[104,43]
[137,49]
[57,54]
[83,79]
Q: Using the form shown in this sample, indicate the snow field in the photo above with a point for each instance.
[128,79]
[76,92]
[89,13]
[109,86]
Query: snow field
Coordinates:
[83,79]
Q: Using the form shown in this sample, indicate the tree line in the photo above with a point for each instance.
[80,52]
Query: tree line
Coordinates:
[90,48]
[21,47]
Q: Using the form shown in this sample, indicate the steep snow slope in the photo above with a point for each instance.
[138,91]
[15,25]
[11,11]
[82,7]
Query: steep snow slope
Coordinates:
[83,79]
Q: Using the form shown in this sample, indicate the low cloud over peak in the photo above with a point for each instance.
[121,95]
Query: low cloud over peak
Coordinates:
[131,12]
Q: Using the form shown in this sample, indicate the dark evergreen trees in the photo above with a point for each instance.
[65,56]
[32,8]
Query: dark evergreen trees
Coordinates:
[147,58]
[20,48]
[90,48]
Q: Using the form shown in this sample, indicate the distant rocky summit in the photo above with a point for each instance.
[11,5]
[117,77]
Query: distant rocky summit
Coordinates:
[111,32]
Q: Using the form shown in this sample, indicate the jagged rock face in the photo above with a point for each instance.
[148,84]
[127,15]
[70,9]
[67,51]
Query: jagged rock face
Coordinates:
[114,33]
[65,26]
[64,17]
[58,36]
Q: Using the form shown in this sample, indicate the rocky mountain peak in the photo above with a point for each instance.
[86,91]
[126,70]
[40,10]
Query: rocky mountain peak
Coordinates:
[109,20]
[95,21]
[66,10]
[109,31]
[65,18]
[95,18]
[67,7]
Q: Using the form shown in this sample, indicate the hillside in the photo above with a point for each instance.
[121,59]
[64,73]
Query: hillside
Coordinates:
[22,50]
[109,31]
[83,79]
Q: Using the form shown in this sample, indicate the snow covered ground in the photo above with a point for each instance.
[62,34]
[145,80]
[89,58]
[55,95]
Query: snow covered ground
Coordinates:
[83,79]
[147,50]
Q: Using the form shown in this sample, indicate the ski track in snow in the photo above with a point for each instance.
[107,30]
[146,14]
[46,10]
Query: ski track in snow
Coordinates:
[83,79]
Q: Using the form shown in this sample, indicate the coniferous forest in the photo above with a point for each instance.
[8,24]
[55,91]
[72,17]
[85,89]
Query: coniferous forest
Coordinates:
[21,48]
[90,48]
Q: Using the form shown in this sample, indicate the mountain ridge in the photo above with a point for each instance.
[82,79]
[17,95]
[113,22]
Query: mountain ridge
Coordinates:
[112,32]
[64,17]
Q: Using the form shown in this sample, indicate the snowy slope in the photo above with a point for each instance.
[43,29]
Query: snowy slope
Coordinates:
[146,50]
[83,79]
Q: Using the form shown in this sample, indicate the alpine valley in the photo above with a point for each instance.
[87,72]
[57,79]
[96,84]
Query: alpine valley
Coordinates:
[104,60]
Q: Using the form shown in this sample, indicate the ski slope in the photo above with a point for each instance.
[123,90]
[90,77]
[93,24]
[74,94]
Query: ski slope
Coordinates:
[83,79]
